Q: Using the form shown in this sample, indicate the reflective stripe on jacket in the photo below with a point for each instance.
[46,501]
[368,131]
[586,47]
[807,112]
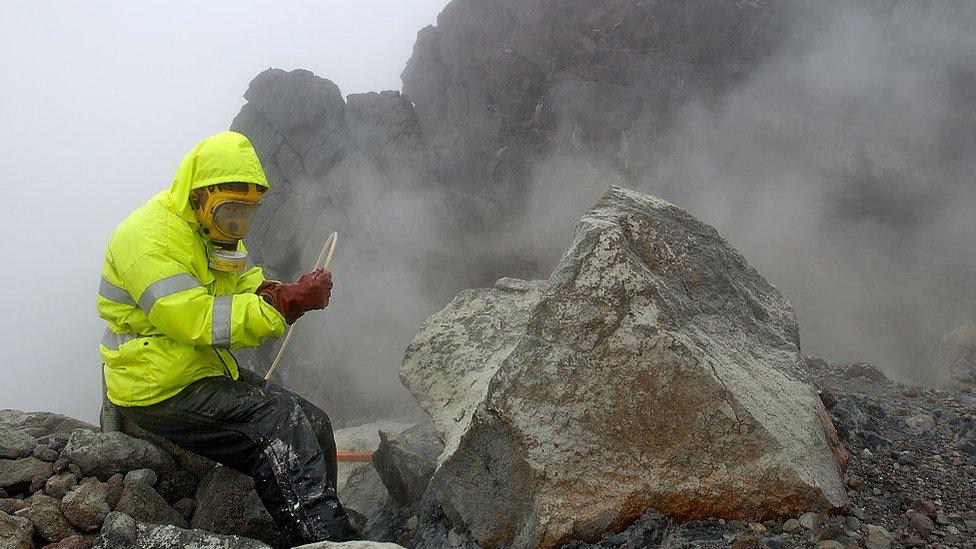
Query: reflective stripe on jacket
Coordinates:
[171,319]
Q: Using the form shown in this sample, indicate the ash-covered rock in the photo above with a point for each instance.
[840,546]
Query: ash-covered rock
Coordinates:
[655,368]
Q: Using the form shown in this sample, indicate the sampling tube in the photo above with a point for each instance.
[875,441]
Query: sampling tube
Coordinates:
[324,261]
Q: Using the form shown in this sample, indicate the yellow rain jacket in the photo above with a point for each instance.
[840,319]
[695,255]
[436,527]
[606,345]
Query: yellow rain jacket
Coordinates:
[171,319]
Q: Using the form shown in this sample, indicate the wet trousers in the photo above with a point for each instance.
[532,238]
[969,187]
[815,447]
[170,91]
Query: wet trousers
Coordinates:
[278,438]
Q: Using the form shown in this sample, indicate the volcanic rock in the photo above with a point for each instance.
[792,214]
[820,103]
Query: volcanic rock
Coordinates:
[16,532]
[406,462]
[141,502]
[45,512]
[16,475]
[105,454]
[654,369]
[122,532]
[58,485]
[15,444]
[144,476]
[176,485]
[363,495]
[87,505]
[362,438]
[195,464]
[226,503]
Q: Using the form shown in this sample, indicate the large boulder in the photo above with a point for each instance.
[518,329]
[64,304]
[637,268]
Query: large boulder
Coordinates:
[106,454]
[653,369]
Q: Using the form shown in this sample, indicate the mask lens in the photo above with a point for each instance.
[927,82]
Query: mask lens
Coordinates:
[233,218]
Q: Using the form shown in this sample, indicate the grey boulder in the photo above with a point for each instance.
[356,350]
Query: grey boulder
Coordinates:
[654,369]
[106,454]
[406,462]
[363,495]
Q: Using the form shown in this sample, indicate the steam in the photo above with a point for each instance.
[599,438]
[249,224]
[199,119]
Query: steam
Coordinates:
[842,167]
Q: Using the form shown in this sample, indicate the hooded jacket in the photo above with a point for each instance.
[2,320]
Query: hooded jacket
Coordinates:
[171,319]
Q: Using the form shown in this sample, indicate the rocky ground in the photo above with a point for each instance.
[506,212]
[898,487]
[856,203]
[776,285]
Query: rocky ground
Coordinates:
[911,478]
[911,481]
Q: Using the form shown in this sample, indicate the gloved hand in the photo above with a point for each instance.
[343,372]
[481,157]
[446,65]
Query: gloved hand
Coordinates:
[312,291]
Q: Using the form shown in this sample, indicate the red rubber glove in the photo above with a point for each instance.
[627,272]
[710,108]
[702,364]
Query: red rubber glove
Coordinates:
[312,291]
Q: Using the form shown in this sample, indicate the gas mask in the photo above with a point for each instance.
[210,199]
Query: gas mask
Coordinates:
[225,212]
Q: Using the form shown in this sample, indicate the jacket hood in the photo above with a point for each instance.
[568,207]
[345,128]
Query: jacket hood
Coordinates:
[227,157]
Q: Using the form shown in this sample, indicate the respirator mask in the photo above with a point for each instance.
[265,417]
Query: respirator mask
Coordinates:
[225,212]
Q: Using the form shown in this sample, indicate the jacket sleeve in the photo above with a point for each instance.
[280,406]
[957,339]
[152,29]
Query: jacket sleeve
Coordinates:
[180,307]
[249,280]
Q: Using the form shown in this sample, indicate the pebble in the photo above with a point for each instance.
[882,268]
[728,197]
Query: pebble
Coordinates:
[941,518]
[809,520]
[791,526]
[878,538]
[921,423]
[921,523]
[830,544]
[143,476]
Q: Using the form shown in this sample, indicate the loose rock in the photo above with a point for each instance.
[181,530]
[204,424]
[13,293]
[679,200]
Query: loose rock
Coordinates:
[16,532]
[145,476]
[105,454]
[407,461]
[142,503]
[363,495]
[45,512]
[87,505]
[18,475]
[226,503]
[58,485]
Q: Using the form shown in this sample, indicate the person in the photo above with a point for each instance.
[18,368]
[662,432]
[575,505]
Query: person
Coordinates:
[177,301]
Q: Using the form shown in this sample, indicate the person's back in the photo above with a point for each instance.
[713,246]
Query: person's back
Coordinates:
[177,301]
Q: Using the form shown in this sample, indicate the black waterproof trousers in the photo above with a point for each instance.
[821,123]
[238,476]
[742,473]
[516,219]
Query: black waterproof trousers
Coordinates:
[280,439]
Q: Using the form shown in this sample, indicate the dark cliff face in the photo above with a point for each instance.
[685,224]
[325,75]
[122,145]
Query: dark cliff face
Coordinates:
[832,142]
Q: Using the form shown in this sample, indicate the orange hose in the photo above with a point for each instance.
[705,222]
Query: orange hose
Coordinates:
[355,457]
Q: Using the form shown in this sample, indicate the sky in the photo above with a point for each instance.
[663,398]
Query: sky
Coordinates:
[98,103]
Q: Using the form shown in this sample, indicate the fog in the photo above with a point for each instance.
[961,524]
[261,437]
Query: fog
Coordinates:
[98,103]
[842,167]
